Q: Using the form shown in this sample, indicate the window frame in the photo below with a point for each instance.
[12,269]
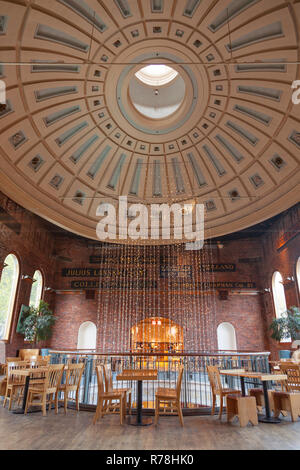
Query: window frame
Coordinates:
[275,300]
[14,295]
[41,288]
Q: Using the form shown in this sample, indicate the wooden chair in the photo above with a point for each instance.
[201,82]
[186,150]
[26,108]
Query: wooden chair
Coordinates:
[170,399]
[72,384]
[46,393]
[14,383]
[288,400]
[243,407]
[217,388]
[110,402]
[108,380]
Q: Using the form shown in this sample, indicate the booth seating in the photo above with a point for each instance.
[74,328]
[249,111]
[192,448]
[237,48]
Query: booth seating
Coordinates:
[244,408]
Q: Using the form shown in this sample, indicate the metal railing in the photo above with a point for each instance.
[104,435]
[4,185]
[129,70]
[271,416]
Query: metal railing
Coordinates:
[195,392]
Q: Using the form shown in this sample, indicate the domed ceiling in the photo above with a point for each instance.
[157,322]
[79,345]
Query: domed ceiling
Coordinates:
[71,136]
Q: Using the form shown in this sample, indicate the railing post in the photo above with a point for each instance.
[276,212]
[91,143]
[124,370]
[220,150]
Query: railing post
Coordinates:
[87,378]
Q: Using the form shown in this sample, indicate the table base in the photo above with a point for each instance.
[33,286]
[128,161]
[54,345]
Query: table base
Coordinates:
[271,420]
[132,421]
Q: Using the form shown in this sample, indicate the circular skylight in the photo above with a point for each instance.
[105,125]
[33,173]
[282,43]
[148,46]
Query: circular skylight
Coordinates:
[156,74]
[152,100]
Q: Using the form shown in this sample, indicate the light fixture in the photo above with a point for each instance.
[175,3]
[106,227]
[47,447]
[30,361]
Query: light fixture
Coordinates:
[156,92]
[267,289]
[26,277]
[48,289]
[5,265]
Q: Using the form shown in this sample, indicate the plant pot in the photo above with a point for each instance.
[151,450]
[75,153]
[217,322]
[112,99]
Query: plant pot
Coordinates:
[284,354]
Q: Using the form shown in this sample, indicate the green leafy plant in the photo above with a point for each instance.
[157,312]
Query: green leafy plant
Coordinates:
[38,323]
[287,326]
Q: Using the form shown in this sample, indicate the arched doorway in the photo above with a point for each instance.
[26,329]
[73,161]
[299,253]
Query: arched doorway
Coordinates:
[226,337]
[157,335]
[87,336]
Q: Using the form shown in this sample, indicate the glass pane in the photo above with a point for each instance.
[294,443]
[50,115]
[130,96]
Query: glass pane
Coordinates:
[36,290]
[8,284]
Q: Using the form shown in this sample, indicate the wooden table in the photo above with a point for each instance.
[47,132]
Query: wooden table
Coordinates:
[28,373]
[264,378]
[139,375]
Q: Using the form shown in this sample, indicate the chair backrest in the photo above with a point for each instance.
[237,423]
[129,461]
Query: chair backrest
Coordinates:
[28,354]
[53,375]
[179,381]
[214,378]
[293,376]
[13,359]
[100,382]
[108,378]
[37,363]
[11,366]
[74,373]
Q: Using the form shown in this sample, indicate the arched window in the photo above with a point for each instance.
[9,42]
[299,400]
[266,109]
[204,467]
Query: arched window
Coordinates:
[8,288]
[226,337]
[36,290]
[298,273]
[278,294]
[87,336]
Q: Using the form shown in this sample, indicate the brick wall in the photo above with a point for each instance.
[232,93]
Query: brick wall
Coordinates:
[199,313]
[33,247]
[39,245]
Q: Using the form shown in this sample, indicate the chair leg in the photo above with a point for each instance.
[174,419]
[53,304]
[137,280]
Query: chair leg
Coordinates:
[77,399]
[213,405]
[97,411]
[44,404]
[221,406]
[10,399]
[5,398]
[156,411]
[50,402]
[129,403]
[27,402]
[180,413]
[121,410]
[65,401]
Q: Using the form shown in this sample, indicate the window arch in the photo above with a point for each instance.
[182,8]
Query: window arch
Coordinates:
[226,337]
[87,336]
[298,273]
[278,294]
[8,289]
[36,289]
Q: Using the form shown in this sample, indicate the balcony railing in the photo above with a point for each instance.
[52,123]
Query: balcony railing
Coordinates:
[195,392]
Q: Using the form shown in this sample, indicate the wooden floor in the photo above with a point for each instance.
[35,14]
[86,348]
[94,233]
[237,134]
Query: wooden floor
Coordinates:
[76,431]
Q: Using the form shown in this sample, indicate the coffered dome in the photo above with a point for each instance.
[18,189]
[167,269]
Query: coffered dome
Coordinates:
[85,122]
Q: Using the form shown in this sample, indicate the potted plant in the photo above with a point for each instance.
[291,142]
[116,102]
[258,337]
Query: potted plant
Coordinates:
[38,323]
[286,327]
